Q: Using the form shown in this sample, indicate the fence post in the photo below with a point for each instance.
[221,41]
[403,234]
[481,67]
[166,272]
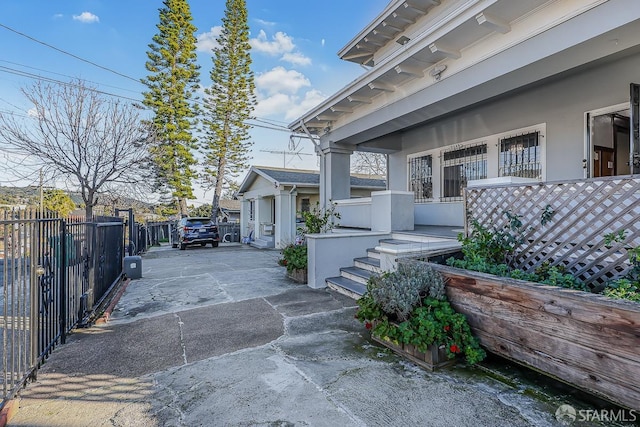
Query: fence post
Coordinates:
[63,282]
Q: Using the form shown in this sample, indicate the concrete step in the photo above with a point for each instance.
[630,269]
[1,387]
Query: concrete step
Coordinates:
[400,246]
[373,253]
[261,243]
[356,274]
[346,286]
[367,263]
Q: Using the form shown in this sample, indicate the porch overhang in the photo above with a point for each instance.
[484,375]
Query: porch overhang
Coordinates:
[398,94]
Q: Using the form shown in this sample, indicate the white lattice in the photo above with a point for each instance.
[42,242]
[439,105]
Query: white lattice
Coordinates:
[584,212]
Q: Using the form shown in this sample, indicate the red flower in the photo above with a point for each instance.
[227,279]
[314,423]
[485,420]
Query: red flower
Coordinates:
[454,349]
[368,325]
[447,328]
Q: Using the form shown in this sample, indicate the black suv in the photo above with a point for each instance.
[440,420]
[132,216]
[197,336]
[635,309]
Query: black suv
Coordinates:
[196,231]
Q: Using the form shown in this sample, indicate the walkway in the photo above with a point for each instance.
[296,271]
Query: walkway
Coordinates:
[220,337]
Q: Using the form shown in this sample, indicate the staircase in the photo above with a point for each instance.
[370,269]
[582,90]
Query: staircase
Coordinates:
[352,281]
[264,242]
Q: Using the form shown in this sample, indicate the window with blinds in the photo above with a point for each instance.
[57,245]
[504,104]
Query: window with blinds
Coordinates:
[520,156]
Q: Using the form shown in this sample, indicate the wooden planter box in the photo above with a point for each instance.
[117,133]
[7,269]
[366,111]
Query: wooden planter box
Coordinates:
[589,341]
[298,275]
[434,358]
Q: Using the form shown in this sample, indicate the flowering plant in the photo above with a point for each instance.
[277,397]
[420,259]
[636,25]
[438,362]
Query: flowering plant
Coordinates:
[430,321]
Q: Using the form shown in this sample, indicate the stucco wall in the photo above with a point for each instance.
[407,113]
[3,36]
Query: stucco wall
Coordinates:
[560,103]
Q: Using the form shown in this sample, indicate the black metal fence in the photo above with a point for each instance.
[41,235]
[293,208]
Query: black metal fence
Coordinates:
[54,273]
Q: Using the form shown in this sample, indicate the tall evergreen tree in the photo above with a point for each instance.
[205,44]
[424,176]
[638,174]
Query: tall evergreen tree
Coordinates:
[172,82]
[229,101]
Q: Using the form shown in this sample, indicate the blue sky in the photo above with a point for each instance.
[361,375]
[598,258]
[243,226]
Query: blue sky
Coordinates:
[295,45]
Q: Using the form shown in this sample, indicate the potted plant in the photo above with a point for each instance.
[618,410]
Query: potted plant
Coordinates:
[294,258]
[407,310]
[294,255]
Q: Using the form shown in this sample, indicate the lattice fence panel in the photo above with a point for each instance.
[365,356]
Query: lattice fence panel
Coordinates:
[584,212]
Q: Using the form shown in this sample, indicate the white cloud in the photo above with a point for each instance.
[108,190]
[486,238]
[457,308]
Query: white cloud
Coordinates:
[206,42]
[86,17]
[280,79]
[265,23]
[311,99]
[287,106]
[322,42]
[296,58]
[58,16]
[280,43]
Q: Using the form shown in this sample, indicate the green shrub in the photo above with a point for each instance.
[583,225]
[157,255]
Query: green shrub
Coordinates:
[294,257]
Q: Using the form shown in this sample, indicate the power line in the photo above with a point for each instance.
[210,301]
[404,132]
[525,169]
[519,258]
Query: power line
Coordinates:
[69,54]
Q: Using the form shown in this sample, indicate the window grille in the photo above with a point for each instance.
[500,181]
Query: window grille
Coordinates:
[421,178]
[520,156]
[460,166]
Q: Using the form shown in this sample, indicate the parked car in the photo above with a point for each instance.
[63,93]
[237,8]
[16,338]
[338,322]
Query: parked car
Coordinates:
[196,231]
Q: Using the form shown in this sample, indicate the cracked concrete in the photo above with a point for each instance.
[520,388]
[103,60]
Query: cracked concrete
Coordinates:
[220,337]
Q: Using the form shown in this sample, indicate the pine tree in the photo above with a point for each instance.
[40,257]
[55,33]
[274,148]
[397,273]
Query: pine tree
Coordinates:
[172,82]
[229,101]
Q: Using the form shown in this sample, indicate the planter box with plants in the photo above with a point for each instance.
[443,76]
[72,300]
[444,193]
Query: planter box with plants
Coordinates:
[407,311]
[547,319]
[294,256]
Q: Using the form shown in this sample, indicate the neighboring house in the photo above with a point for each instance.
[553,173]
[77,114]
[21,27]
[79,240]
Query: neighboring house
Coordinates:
[230,210]
[271,199]
[496,90]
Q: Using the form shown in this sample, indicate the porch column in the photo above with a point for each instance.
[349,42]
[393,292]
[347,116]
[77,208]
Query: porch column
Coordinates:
[285,220]
[335,176]
[244,218]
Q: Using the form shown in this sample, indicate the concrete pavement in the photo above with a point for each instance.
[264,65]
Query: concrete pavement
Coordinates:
[220,337]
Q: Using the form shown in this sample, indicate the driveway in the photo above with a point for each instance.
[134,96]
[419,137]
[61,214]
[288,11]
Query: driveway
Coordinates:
[220,337]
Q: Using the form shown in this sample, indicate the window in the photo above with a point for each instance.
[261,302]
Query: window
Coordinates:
[421,178]
[252,209]
[305,205]
[520,156]
[460,166]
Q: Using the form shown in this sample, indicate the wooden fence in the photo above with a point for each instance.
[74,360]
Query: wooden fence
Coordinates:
[584,212]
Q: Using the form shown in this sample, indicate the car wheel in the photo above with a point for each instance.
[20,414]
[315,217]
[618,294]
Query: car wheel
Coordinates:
[174,245]
[214,244]
[183,246]
[203,244]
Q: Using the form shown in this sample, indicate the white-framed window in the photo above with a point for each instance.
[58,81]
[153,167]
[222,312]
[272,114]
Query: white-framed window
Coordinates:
[520,155]
[421,177]
[461,165]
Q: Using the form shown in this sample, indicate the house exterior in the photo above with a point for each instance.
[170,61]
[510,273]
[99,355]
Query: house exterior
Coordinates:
[460,92]
[271,199]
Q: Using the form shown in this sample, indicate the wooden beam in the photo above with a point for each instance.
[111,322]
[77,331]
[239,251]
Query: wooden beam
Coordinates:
[340,109]
[414,8]
[359,99]
[373,42]
[391,27]
[446,51]
[382,35]
[325,118]
[402,18]
[407,69]
[381,86]
[493,23]
[357,55]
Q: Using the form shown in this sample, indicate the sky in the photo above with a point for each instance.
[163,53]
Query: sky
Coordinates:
[294,53]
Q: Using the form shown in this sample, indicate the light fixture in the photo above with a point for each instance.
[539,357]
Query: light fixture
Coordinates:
[402,40]
[436,72]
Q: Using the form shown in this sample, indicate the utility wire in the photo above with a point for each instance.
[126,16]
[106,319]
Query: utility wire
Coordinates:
[70,54]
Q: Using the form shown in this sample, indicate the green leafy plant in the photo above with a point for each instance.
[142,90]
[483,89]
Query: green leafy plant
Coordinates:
[319,220]
[627,287]
[294,257]
[409,306]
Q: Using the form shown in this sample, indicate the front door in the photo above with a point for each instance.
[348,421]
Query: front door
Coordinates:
[603,161]
[609,141]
